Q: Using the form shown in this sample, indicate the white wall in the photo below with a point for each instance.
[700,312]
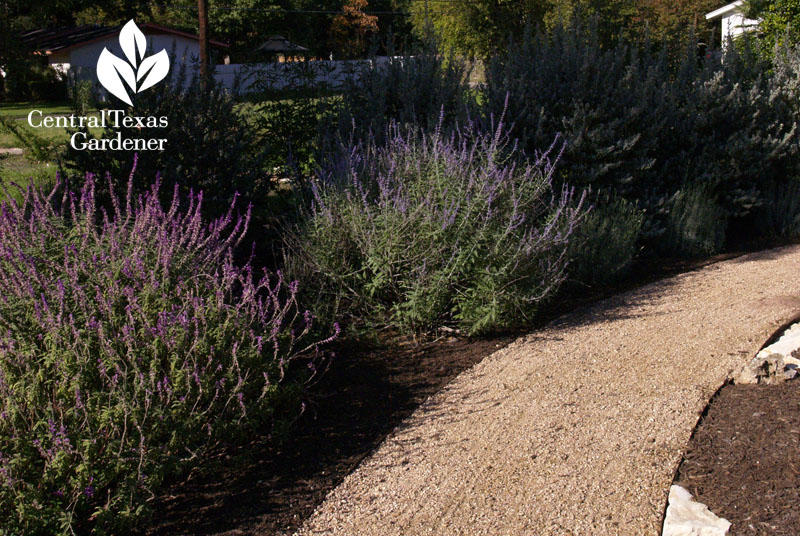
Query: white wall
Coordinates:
[86,55]
[735,24]
[252,77]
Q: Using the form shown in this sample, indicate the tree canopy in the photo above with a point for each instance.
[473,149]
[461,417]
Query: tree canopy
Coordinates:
[242,23]
[480,27]
[779,18]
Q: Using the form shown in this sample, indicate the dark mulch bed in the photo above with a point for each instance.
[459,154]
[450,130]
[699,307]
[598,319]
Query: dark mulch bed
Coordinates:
[744,459]
[263,489]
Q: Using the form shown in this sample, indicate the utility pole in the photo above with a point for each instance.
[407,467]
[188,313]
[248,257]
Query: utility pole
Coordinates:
[427,16]
[202,23]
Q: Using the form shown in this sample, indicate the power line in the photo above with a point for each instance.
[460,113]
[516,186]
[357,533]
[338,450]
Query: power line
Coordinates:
[329,11]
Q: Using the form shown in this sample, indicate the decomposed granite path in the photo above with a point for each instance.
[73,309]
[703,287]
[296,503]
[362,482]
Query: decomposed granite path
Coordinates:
[577,428]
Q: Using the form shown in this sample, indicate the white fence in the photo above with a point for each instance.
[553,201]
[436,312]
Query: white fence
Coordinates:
[246,78]
[250,77]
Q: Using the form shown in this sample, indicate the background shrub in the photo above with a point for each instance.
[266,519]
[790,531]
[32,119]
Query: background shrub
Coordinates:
[607,103]
[645,126]
[435,229]
[605,243]
[129,343]
[420,89]
[211,146]
[780,214]
[31,78]
[295,100]
[696,224]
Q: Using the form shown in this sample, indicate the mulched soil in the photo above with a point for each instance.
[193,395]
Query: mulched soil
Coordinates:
[268,490]
[743,460]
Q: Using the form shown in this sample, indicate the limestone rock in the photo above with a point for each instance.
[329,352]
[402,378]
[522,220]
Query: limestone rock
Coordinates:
[766,368]
[686,517]
[778,362]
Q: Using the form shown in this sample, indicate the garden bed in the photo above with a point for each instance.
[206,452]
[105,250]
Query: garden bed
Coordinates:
[742,461]
[366,393]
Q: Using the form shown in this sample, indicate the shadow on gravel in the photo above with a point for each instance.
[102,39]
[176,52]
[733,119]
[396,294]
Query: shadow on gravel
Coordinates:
[266,490]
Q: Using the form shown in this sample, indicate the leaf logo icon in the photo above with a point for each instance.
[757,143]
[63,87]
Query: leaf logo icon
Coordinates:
[138,70]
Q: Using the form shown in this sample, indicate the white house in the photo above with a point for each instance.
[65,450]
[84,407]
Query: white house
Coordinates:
[733,21]
[79,48]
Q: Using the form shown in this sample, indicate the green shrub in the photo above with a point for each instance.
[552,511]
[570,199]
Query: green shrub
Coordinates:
[418,89]
[696,224]
[605,243]
[292,114]
[644,125]
[780,215]
[432,230]
[210,145]
[32,79]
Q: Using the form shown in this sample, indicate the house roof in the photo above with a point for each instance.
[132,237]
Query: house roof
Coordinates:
[278,43]
[47,41]
[725,10]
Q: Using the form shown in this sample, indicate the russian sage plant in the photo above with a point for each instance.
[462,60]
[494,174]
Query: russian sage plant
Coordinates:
[429,230]
[130,342]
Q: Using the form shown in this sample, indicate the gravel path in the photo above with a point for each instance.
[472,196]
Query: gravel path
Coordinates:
[577,428]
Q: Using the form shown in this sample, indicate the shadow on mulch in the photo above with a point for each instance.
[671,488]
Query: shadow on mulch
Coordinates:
[270,490]
[743,460]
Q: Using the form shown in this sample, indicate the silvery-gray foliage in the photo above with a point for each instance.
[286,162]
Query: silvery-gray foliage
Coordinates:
[432,229]
[648,125]
[413,89]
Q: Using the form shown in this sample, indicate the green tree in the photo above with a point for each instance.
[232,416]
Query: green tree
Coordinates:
[779,18]
[476,27]
[669,20]
[481,27]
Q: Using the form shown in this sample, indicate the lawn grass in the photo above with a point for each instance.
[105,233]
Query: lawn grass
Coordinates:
[22,109]
[40,168]
[57,137]
[19,170]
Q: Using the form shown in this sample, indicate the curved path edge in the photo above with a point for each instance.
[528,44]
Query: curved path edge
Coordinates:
[577,428]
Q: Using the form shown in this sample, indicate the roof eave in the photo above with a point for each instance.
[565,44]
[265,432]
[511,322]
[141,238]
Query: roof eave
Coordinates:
[724,10]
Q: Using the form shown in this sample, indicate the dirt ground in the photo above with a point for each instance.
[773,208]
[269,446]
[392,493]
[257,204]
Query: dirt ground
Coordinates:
[743,461]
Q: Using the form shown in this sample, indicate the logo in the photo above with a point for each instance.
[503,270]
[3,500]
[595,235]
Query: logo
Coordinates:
[138,72]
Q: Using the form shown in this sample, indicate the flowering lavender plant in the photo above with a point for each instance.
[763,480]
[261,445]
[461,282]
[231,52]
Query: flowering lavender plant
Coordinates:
[435,229]
[130,341]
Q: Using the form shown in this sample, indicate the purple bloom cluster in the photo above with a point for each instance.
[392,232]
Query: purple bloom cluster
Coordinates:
[129,340]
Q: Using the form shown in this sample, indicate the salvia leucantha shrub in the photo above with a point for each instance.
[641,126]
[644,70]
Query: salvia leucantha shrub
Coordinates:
[431,230]
[647,125]
[130,342]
